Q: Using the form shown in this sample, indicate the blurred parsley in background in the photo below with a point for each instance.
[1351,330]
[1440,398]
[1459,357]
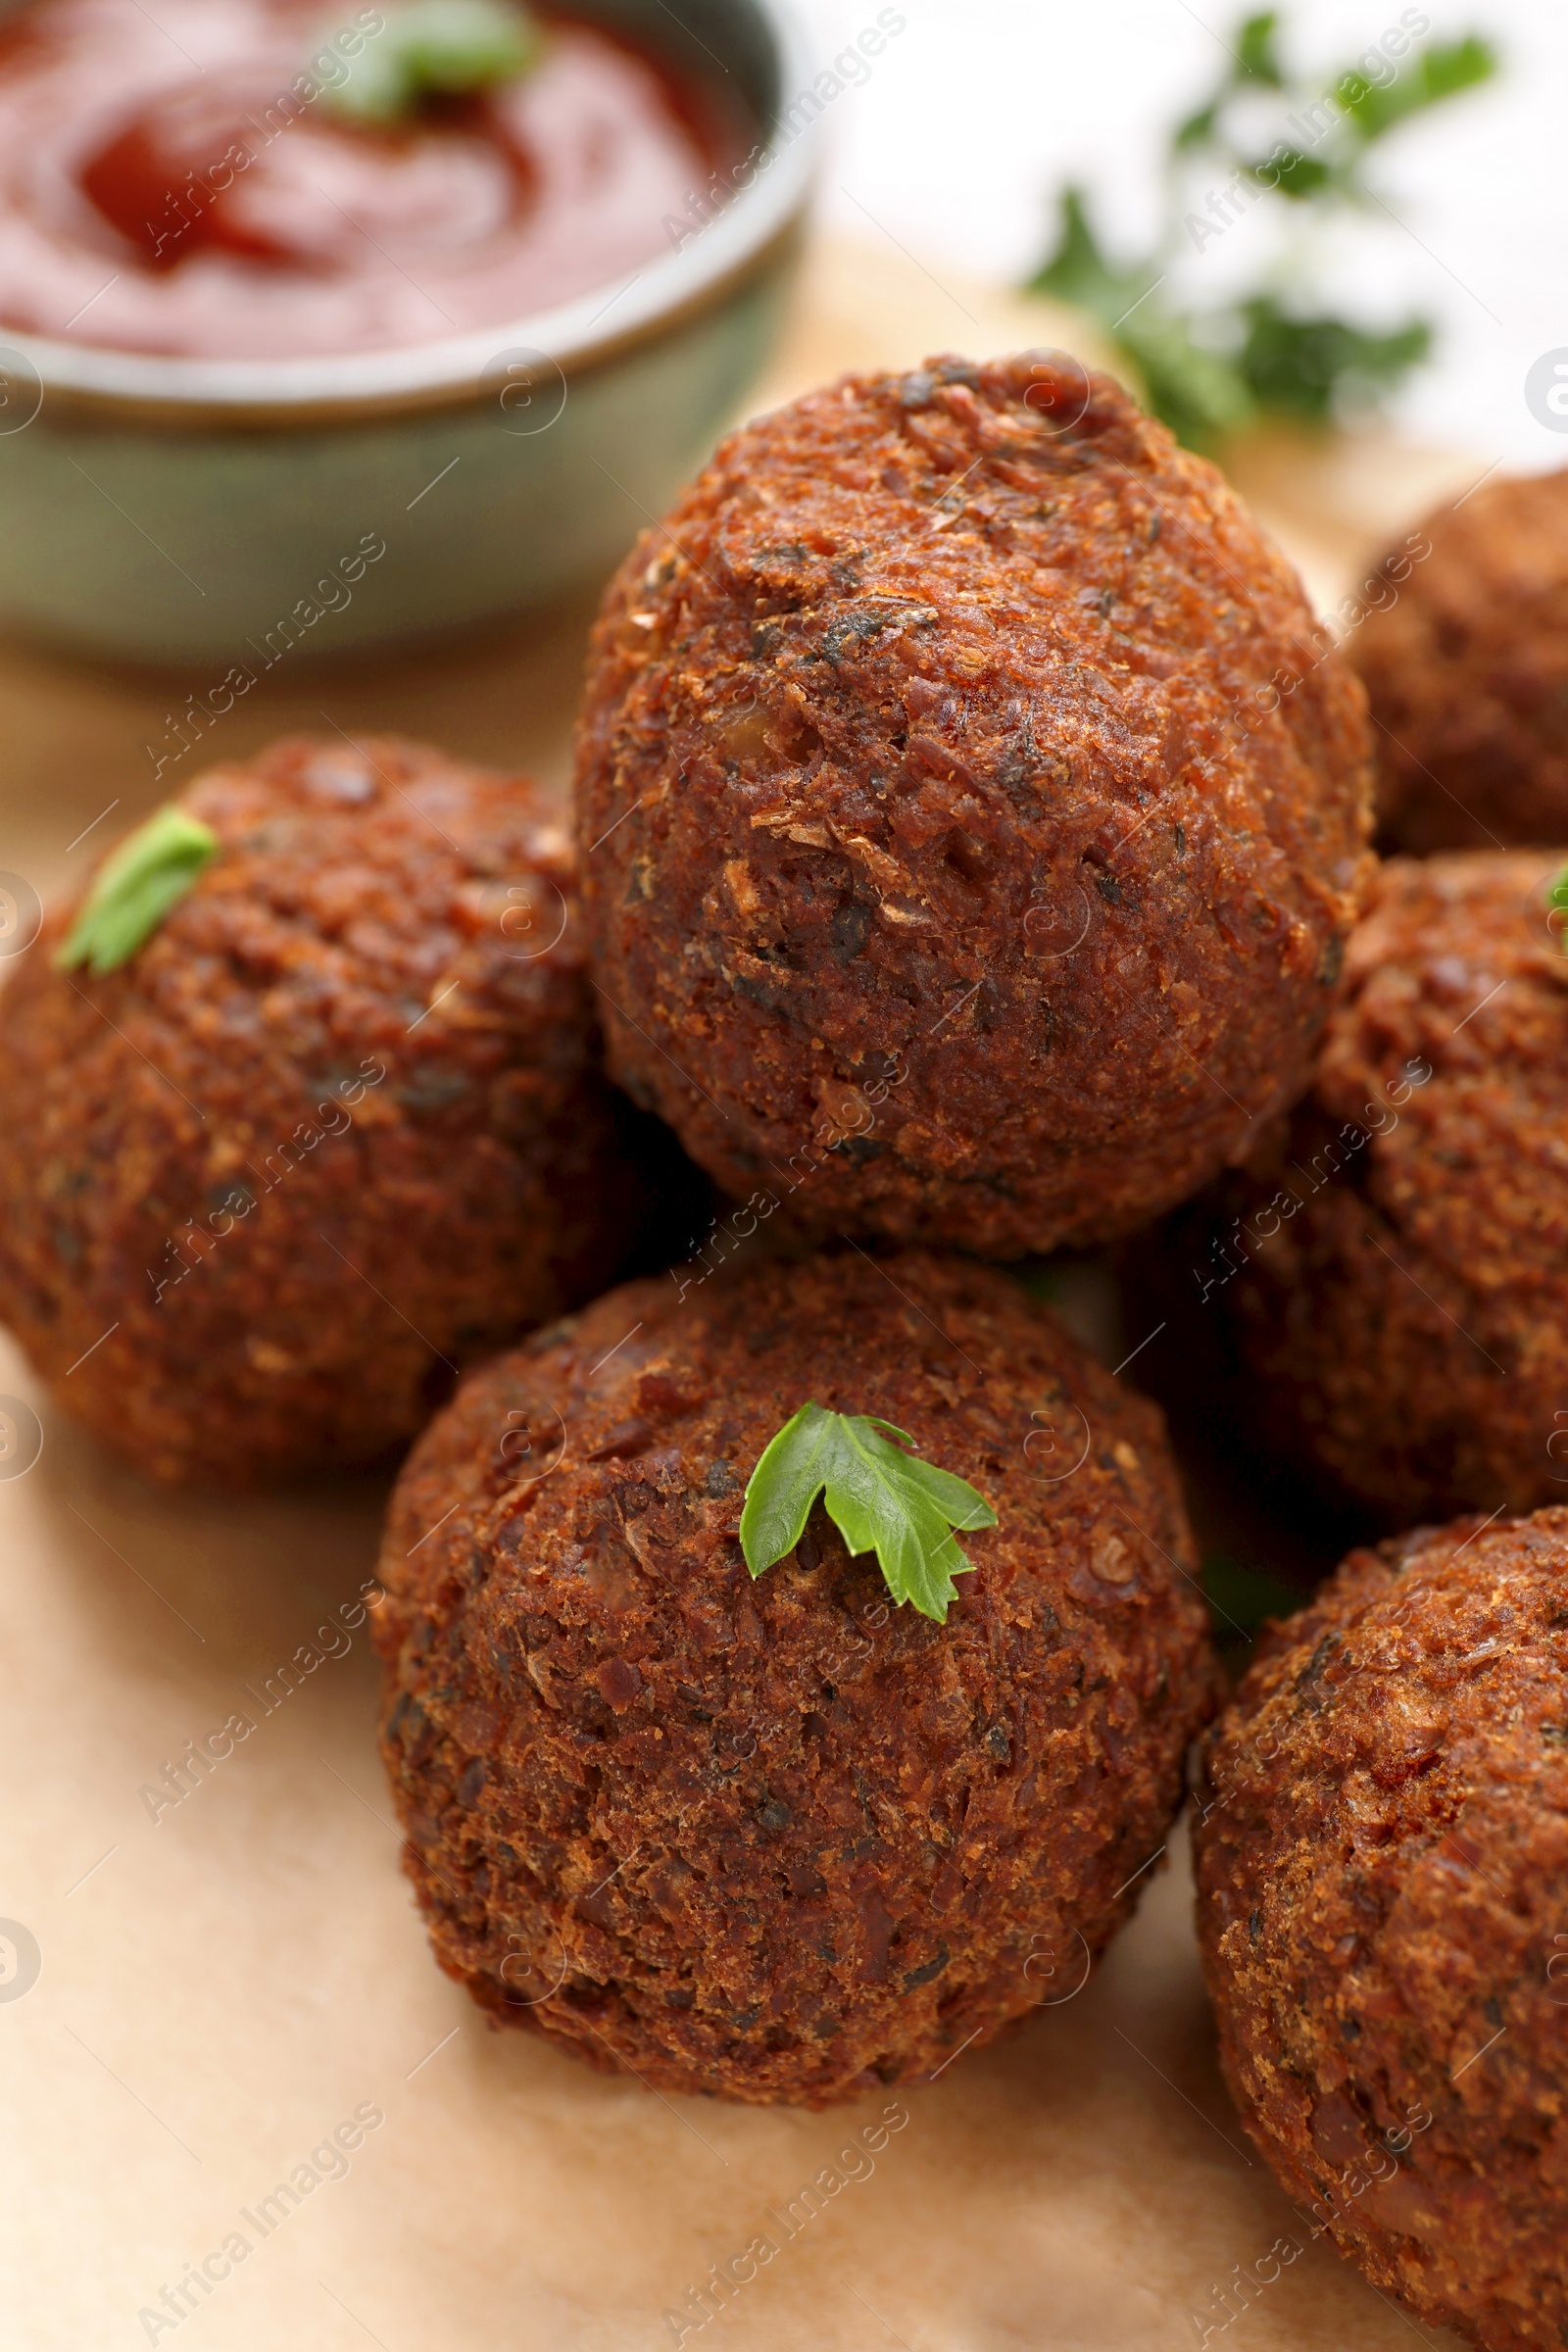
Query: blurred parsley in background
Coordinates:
[1210,372]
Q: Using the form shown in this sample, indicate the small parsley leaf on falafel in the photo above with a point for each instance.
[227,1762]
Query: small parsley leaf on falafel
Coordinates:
[880,1498]
[134,889]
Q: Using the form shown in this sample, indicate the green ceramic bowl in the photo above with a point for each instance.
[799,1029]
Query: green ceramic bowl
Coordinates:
[188,510]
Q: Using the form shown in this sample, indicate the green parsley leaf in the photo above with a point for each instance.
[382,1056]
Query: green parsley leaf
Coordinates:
[427,48]
[1443,70]
[881,1498]
[1198,130]
[1078,272]
[1307,367]
[1215,369]
[1558,903]
[1297,176]
[1197,392]
[134,889]
[1254,58]
[1257,56]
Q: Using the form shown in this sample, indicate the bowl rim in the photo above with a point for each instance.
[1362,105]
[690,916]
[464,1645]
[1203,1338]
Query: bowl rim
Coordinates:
[750,235]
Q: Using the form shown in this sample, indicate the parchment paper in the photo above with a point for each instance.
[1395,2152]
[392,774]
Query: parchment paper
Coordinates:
[232,1984]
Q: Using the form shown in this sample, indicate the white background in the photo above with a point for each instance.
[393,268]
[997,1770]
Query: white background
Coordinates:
[981,109]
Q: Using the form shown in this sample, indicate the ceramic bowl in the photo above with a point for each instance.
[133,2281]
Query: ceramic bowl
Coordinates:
[234,512]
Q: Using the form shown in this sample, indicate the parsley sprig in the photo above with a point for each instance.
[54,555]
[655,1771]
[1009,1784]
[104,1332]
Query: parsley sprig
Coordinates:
[1264,139]
[435,48]
[880,1496]
[134,889]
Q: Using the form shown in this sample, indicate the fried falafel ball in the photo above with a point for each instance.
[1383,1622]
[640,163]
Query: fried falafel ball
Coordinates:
[781,1840]
[1466,663]
[1381,1851]
[335,1128]
[1392,1266]
[951,855]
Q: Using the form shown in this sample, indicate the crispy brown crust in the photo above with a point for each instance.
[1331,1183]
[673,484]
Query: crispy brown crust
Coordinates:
[1466,669]
[473,1187]
[779,1839]
[1381,1857]
[914,686]
[1393,1262]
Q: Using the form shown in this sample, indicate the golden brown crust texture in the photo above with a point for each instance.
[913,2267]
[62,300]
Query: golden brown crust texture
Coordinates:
[337,1125]
[936,842]
[1393,1261]
[781,1841]
[1467,667]
[1382,1854]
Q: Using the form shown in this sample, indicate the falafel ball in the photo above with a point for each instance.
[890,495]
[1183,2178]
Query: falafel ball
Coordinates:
[1381,1855]
[336,1127]
[1466,669]
[781,1840]
[942,863]
[1392,1266]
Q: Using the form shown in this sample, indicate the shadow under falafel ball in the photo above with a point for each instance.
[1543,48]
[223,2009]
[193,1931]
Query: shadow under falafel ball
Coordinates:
[1381,1851]
[337,1127]
[1466,669]
[1391,1268]
[781,1841]
[950,846]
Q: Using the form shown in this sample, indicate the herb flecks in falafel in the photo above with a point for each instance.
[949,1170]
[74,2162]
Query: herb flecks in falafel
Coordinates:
[1380,1845]
[983,781]
[881,1497]
[1464,656]
[1389,1263]
[771,1837]
[323,1129]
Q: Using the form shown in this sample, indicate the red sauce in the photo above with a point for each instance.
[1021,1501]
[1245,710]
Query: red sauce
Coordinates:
[179,185]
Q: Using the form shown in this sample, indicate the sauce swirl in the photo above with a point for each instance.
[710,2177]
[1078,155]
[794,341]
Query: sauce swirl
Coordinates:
[180,186]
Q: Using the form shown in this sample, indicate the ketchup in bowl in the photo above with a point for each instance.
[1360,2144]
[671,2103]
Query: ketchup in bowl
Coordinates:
[203,183]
